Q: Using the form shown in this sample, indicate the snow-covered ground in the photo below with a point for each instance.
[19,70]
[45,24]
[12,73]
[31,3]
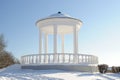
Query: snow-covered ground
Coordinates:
[14,72]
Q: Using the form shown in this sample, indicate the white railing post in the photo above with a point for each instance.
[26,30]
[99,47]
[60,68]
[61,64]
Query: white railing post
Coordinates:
[29,59]
[22,60]
[85,59]
[35,59]
[78,59]
[44,58]
[91,59]
[69,58]
[25,60]
[48,58]
[82,58]
[32,59]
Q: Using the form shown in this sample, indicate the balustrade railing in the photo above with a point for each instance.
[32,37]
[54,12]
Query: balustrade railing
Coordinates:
[59,59]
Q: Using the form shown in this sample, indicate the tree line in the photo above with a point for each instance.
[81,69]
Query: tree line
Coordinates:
[6,57]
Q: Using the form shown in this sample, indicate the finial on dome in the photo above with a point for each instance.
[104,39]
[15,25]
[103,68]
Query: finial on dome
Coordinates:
[59,12]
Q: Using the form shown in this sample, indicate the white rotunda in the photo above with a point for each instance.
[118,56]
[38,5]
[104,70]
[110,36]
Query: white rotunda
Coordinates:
[59,24]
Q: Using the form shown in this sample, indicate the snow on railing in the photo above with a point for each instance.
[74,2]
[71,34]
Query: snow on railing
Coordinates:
[59,58]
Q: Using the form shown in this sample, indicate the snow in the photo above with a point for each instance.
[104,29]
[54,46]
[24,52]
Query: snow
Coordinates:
[15,72]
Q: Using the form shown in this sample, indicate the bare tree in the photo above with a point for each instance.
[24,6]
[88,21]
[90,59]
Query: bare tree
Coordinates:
[6,58]
[2,43]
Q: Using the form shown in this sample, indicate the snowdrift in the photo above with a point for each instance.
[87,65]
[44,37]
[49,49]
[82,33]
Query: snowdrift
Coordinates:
[14,72]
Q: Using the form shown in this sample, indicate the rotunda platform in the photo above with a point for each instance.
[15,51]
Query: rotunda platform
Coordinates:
[83,63]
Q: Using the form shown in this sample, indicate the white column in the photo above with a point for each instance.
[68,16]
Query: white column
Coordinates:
[40,44]
[62,46]
[46,43]
[55,42]
[46,47]
[55,39]
[40,41]
[75,43]
[75,40]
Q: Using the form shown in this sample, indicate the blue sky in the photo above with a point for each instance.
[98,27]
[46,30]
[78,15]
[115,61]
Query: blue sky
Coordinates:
[99,34]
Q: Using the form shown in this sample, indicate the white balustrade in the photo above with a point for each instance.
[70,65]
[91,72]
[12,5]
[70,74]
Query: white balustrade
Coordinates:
[67,59]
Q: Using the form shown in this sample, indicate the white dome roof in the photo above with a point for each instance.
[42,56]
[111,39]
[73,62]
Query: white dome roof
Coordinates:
[59,14]
[64,23]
